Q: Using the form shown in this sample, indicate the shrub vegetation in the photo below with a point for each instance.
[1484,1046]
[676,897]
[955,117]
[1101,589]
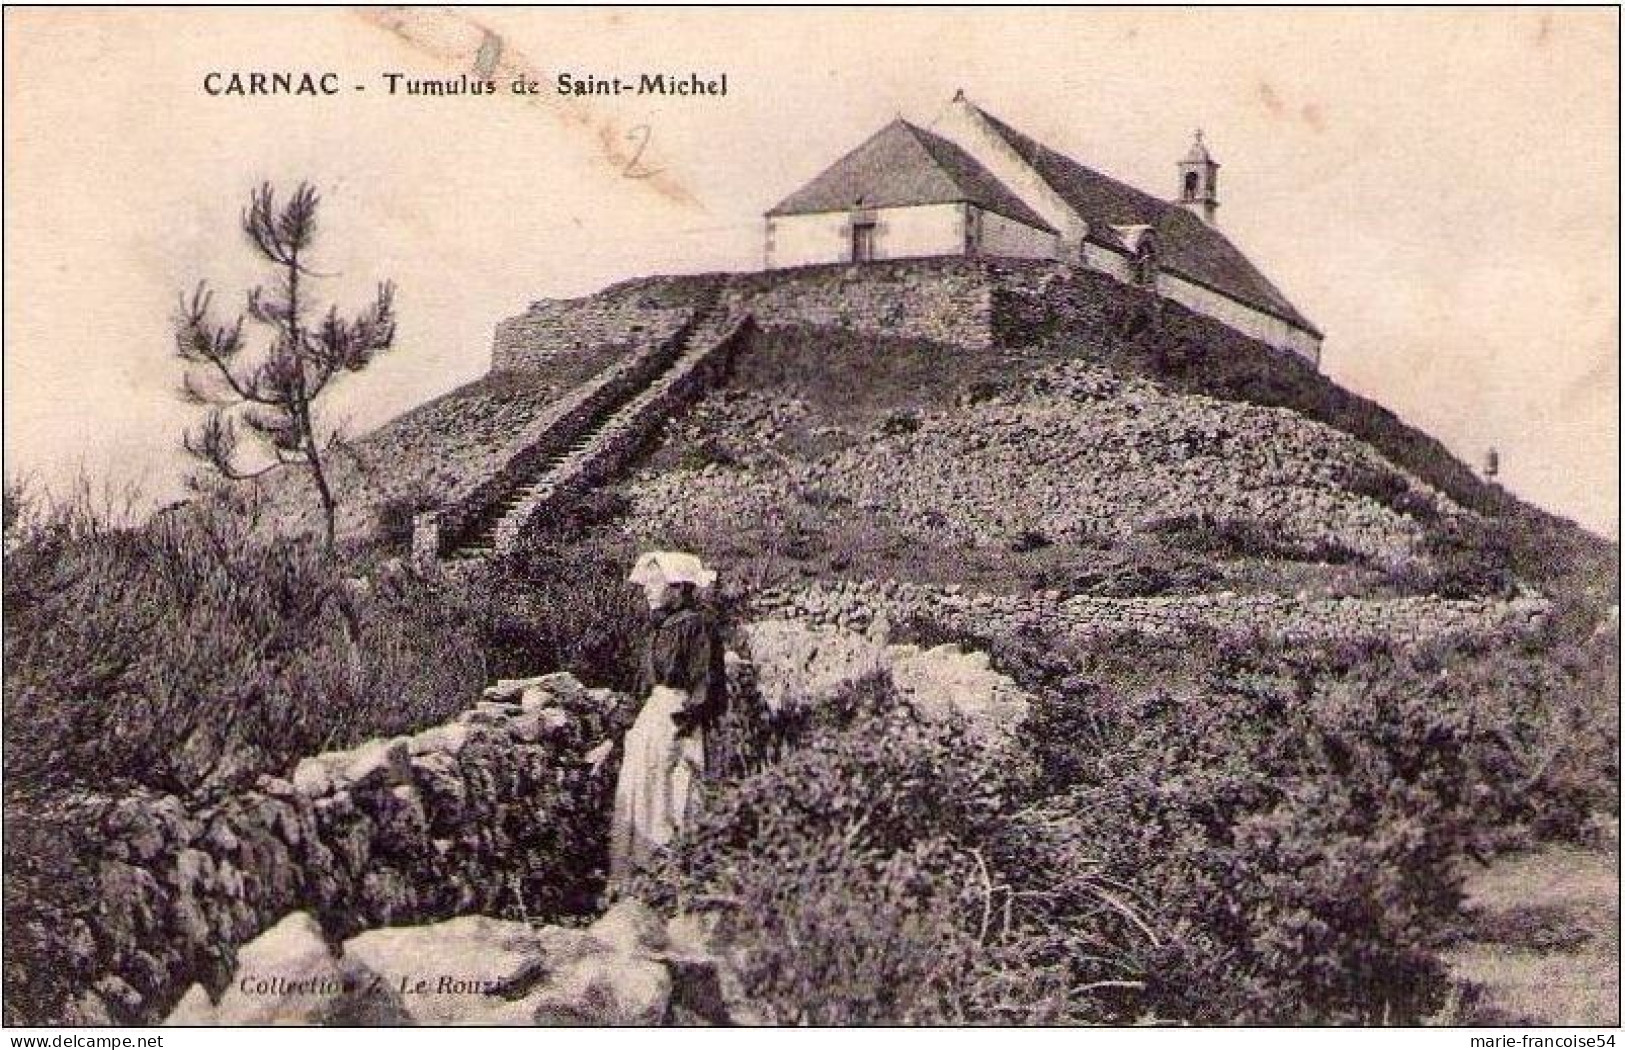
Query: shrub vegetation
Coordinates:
[1241,835]
[181,655]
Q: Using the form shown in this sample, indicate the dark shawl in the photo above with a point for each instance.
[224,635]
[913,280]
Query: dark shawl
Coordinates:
[685,653]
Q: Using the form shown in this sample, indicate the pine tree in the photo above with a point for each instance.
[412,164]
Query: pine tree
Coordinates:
[272,394]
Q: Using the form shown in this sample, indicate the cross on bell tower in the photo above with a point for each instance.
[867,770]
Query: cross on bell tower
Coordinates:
[1199,180]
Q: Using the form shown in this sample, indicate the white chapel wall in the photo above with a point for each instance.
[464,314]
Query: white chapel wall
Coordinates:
[1106,261]
[1016,240]
[1243,318]
[900,233]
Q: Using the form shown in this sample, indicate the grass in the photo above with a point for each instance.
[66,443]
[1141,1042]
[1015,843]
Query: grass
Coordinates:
[1542,941]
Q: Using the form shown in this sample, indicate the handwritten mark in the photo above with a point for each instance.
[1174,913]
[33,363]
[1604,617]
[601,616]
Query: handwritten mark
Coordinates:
[640,135]
[458,41]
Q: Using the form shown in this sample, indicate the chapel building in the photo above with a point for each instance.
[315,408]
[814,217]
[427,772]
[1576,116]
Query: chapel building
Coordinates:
[975,186]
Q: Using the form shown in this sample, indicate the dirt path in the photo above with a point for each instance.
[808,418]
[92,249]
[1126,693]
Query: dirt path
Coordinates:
[1543,940]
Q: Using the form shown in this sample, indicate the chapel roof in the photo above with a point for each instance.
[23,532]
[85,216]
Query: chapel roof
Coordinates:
[903,165]
[1186,245]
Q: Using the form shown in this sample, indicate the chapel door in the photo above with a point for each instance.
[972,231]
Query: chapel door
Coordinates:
[863,241]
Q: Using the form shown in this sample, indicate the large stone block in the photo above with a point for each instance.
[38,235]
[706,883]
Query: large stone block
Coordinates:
[289,975]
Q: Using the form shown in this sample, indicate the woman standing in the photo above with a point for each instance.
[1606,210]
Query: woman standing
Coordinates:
[664,753]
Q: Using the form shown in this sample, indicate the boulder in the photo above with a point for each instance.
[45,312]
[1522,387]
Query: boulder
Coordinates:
[605,989]
[630,927]
[626,969]
[378,762]
[794,661]
[469,970]
[289,975]
[193,1010]
[314,776]
[511,688]
[449,738]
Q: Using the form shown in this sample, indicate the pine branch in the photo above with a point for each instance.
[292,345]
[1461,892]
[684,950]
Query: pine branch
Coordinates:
[259,222]
[215,445]
[266,310]
[198,340]
[339,345]
[193,393]
[278,428]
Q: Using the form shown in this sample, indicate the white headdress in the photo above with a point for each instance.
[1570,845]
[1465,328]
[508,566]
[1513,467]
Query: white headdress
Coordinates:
[671,567]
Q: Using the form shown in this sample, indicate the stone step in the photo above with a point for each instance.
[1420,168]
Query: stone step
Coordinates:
[521,501]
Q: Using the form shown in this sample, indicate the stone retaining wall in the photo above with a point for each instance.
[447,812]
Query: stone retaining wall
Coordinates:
[977,303]
[857,606]
[943,300]
[555,328]
[564,422]
[492,813]
[1031,300]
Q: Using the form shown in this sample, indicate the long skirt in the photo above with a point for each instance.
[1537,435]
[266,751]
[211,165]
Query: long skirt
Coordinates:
[658,773]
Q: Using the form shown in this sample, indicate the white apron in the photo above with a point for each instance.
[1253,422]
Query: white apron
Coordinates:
[658,773]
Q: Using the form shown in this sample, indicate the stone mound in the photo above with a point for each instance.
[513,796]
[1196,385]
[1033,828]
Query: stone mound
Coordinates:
[1076,453]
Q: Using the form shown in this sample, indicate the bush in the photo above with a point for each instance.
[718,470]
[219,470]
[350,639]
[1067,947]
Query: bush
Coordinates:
[888,869]
[1464,557]
[562,605]
[708,452]
[850,866]
[1029,540]
[1572,672]
[1296,829]
[1239,834]
[1390,489]
[1140,568]
[1247,538]
[392,533]
[982,390]
[51,887]
[899,423]
[181,654]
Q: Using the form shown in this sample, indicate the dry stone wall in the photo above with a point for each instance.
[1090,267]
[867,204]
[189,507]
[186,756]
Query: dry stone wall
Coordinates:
[1073,453]
[976,303]
[554,328]
[966,302]
[1029,301]
[943,300]
[875,606]
[551,433]
[495,813]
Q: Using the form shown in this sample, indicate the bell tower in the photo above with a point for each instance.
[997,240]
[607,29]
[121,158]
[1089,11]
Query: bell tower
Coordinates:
[1199,181]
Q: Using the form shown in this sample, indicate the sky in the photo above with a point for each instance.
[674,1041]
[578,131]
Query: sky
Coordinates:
[1436,188]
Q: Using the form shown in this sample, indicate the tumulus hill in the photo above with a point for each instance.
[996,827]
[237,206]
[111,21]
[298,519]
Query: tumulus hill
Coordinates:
[1008,426]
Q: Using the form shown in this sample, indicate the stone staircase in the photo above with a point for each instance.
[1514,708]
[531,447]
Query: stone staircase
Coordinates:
[612,433]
